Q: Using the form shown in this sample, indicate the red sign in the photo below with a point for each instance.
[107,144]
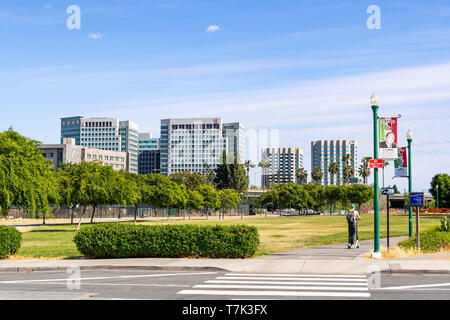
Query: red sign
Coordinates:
[376,163]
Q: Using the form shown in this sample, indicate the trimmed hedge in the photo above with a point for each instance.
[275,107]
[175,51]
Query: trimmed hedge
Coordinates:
[119,240]
[431,240]
[10,241]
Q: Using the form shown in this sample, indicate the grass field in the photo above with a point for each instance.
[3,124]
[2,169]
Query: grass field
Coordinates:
[277,234]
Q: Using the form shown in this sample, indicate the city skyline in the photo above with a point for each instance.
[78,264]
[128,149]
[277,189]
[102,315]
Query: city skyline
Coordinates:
[305,70]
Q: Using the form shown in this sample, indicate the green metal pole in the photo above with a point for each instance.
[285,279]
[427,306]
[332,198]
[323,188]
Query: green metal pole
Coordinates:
[376,200]
[410,189]
[437,196]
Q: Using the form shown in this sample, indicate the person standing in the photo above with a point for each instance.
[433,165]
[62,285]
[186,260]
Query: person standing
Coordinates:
[352,217]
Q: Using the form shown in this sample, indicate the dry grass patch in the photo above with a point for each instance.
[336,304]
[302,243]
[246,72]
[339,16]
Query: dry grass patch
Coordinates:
[397,252]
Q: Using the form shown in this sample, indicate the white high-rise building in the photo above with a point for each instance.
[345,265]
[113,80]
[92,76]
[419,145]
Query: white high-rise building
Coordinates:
[284,163]
[189,144]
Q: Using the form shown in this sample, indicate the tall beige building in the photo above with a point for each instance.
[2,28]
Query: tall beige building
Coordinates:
[326,152]
[284,163]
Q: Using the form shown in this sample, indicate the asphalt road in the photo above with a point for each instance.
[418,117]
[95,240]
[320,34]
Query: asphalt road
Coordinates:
[155,285]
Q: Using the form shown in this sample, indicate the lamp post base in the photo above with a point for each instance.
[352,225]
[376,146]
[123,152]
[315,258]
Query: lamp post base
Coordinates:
[376,255]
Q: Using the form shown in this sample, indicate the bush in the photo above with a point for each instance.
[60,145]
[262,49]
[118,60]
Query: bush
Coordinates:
[445,224]
[118,240]
[10,241]
[432,240]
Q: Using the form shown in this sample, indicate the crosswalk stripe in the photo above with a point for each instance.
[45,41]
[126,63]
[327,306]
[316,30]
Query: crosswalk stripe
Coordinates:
[291,279]
[277,293]
[283,285]
[276,287]
[287,282]
[294,275]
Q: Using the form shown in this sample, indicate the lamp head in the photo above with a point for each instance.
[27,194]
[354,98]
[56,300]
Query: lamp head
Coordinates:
[374,100]
[409,135]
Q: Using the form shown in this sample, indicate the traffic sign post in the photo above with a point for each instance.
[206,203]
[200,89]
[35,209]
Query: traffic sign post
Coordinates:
[416,200]
[387,191]
[376,163]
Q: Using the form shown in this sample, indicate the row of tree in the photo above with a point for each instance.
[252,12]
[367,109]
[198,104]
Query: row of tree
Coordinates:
[315,196]
[28,182]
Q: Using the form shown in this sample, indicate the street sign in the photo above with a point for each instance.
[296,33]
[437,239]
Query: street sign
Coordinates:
[376,163]
[387,191]
[416,199]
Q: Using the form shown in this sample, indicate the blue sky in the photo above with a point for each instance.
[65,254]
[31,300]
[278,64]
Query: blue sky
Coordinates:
[305,68]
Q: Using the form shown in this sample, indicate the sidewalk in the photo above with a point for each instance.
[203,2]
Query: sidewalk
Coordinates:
[331,259]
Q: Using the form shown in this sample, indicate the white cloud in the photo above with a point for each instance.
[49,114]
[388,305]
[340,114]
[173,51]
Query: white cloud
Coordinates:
[48,5]
[212,29]
[95,36]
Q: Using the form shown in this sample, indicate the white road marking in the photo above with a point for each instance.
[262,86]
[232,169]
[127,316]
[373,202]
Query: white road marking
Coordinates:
[416,286]
[286,282]
[293,275]
[283,285]
[276,293]
[234,286]
[103,278]
[293,279]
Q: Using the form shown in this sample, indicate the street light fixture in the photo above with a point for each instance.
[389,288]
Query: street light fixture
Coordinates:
[374,101]
[409,137]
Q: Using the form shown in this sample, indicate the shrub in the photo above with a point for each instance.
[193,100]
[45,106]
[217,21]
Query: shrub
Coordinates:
[445,224]
[431,240]
[118,240]
[10,241]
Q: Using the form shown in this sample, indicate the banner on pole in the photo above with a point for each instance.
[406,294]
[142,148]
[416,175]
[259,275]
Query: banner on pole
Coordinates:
[388,149]
[401,164]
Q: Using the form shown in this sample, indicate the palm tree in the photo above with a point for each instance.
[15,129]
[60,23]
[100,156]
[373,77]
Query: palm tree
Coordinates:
[333,169]
[317,174]
[364,170]
[264,164]
[348,171]
[248,164]
[301,175]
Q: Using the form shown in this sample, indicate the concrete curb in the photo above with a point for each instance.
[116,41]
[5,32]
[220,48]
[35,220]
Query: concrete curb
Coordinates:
[109,267]
[192,269]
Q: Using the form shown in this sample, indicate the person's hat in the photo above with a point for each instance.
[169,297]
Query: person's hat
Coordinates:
[353,206]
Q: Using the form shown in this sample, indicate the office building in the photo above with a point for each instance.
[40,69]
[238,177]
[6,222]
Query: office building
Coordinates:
[128,132]
[149,154]
[108,134]
[284,163]
[69,152]
[326,152]
[189,144]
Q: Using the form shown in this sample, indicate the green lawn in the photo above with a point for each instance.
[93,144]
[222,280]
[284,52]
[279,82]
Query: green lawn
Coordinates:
[276,234]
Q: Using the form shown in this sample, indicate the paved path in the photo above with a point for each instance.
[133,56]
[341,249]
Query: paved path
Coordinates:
[331,252]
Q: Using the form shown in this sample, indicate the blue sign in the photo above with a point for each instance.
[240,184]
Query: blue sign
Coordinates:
[416,199]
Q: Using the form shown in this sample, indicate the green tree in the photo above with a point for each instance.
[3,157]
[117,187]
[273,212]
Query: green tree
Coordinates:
[333,194]
[27,180]
[441,181]
[195,200]
[192,181]
[302,175]
[248,164]
[360,193]
[223,174]
[211,198]
[264,164]
[333,169]
[364,170]
[229,198]
[315,195]
[348,170]
[128,188]
[317,174]
[239,179]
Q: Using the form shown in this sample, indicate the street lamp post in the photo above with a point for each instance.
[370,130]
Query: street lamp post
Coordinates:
[376,251]
[409,137]
[437,196]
